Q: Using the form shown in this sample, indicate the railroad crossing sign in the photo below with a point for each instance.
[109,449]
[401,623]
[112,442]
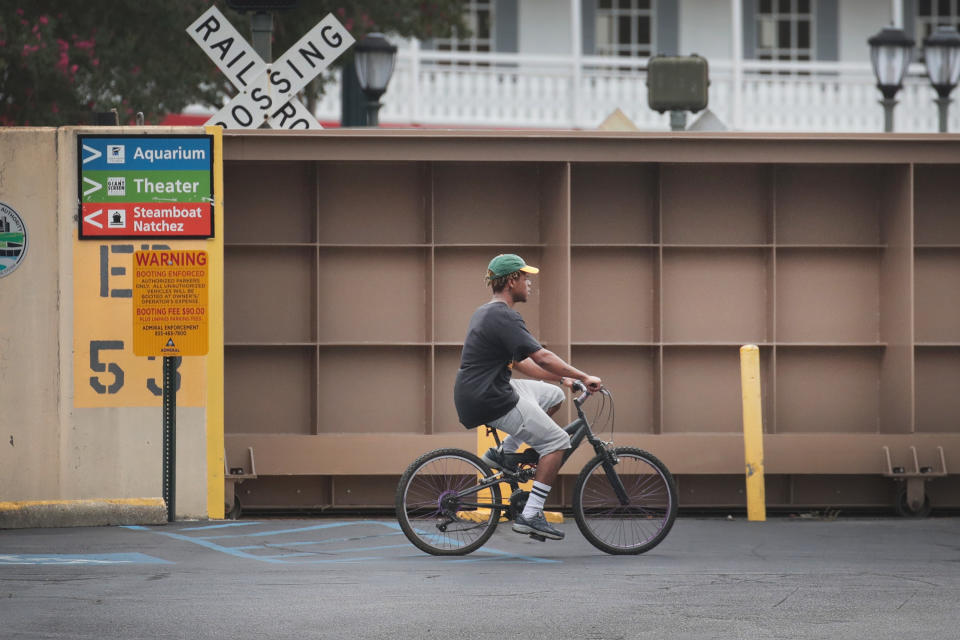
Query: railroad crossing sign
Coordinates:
[268,91]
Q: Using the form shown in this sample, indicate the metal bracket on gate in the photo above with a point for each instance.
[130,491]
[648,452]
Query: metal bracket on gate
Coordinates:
[236,475]
[916,478]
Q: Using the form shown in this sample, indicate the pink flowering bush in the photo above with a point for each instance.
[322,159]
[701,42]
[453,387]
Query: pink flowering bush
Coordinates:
[60,60]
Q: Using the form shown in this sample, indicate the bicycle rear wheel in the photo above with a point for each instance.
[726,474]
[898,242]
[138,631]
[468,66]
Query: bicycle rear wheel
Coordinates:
[635,527]
[432,516]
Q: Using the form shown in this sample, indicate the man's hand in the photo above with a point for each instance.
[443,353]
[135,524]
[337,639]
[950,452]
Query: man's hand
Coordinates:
[593,383]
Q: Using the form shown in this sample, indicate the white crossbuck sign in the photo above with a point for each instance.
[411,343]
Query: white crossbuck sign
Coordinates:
[268,91]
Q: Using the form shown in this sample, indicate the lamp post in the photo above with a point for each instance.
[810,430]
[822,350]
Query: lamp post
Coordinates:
[941,49]
[890,53]
[374,58]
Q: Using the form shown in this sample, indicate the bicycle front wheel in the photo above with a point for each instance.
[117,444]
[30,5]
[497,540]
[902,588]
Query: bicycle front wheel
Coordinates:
[648,489]
[436,508]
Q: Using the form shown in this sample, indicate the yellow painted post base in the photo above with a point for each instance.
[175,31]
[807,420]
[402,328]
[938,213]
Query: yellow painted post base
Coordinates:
[753,432]
[33,514]
[484,442]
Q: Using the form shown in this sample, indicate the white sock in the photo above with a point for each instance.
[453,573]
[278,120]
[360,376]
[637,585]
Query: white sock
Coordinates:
[510,444]
[538,496]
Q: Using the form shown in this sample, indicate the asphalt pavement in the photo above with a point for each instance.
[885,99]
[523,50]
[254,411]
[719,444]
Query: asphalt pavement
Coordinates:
[360,578]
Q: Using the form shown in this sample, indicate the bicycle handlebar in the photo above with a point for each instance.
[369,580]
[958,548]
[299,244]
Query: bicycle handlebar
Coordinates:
[584,392]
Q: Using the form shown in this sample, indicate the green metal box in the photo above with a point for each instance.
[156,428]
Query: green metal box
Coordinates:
[677,83]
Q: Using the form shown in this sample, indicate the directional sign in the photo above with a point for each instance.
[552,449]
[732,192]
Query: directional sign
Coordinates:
[268,91]
[170,303]
[145,186]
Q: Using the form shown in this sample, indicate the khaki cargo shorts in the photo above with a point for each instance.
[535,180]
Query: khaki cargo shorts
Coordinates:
[529,421]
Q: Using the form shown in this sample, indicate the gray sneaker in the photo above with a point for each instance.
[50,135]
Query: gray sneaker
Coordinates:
[495,458]
[537,525]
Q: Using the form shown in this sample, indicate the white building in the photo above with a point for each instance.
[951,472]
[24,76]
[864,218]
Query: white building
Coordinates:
[775,65]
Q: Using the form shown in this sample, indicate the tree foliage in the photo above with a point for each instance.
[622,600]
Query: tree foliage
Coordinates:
[60,60]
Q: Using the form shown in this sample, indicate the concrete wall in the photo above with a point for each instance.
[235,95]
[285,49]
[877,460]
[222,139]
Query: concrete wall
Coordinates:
[29,346]
[57,446]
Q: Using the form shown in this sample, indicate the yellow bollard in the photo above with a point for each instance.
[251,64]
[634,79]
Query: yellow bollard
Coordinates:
[753,431]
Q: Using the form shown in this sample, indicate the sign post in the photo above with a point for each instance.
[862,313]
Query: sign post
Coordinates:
[170,319]
[170,437]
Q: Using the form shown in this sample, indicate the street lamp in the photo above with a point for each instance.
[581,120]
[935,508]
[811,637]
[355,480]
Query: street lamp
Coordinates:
[890,53]
[374,58]
[941,49]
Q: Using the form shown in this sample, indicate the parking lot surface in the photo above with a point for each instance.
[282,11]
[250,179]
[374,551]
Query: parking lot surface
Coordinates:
[361,578]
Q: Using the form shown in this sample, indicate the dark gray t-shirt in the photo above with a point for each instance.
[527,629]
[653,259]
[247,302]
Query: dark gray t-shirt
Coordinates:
[496,338]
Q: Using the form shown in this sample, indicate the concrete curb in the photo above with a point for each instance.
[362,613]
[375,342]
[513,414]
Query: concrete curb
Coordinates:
[82,513]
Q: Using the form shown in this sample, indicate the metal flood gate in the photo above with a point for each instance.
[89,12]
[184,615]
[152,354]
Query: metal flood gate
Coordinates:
[355,258]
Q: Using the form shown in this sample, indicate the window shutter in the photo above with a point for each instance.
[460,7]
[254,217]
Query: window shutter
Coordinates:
[506,16]
[588,22]
[827,17]
[749,29]
[668,27]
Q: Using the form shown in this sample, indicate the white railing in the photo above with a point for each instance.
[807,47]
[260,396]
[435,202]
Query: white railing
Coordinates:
[431,88]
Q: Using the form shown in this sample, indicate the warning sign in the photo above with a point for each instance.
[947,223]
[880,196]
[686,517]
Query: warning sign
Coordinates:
[170,303]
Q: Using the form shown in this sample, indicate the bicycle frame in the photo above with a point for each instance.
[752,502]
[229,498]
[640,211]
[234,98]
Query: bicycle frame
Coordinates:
[579,430]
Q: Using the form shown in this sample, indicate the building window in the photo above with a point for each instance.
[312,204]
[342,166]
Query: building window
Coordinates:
[932,14]
[478,16]
[625,28]
[785,30]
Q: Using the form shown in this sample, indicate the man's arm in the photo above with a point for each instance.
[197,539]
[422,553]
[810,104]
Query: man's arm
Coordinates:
[546,365]
[531,369]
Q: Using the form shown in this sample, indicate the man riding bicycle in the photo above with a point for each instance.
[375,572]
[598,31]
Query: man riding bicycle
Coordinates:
[496,344]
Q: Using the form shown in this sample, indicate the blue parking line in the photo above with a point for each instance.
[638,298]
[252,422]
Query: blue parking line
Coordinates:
[484,554]
[214,547]
[279,532]
[221,526]
[304,543]
[86,559]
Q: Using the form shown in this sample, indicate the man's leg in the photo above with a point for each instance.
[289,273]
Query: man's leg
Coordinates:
[549,467]
[542,433]
[512,443]
[549,397]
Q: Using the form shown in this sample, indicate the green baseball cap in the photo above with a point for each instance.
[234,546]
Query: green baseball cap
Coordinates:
[507,263]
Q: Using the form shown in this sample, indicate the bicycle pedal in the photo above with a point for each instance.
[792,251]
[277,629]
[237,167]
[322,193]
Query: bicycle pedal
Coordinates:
[537,536]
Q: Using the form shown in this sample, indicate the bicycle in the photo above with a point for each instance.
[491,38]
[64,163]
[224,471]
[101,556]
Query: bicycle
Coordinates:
[448,501]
